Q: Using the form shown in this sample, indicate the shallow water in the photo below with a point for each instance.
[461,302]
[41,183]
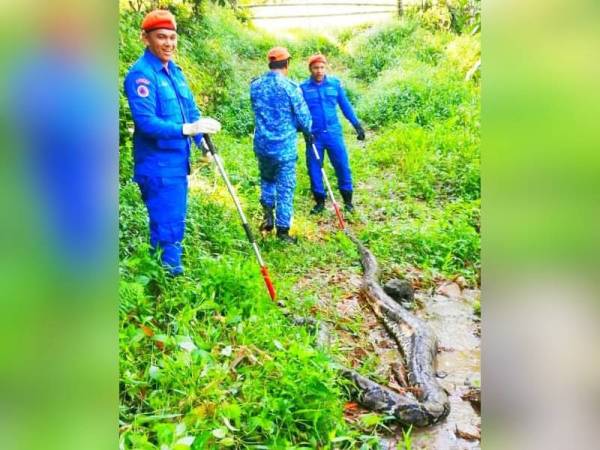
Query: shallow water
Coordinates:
[456,328]
[458,361]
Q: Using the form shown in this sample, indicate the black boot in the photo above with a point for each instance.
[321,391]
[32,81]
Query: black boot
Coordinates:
[347,196]
[283,234]
[268,222]
[319,204]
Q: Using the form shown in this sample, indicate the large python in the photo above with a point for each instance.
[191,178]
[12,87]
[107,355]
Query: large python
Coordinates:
[425,402]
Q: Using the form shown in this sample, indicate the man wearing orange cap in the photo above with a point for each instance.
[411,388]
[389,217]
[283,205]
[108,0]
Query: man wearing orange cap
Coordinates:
[323,94]
[166,118]
[279,113]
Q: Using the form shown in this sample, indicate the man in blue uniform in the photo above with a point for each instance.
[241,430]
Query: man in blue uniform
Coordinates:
[279,112]
[323,94]
[166,118]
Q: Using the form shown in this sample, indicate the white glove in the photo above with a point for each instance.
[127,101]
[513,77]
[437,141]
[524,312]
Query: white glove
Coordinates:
[201,126]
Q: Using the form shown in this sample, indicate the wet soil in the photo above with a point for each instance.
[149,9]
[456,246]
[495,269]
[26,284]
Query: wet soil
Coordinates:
[363,341]
[459,361]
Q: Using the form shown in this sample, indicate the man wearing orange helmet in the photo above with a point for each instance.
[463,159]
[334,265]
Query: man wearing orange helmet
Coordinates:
[279,112]
[324,94]
[166,118]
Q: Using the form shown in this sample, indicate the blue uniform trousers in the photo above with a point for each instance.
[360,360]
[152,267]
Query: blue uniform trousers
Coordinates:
[277,185]
[336,150]
[166,200]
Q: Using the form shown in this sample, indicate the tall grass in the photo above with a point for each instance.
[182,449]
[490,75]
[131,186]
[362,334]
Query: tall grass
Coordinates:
[207,361]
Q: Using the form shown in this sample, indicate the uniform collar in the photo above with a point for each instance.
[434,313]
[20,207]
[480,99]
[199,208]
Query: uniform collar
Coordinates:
[156,63]
[314,83]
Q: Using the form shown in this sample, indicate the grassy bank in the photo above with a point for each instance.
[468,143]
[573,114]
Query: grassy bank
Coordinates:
[207,361]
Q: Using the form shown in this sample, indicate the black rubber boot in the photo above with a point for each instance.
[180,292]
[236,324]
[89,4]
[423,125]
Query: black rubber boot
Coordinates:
[268,222]
[347,196]
[319,204]
[284,235]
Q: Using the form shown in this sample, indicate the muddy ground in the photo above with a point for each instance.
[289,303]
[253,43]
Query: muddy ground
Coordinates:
[363,340]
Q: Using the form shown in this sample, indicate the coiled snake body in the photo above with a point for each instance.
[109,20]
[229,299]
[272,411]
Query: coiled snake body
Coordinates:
[426,403]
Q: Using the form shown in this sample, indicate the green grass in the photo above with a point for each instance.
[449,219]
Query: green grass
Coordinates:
[406,443]
[208,357]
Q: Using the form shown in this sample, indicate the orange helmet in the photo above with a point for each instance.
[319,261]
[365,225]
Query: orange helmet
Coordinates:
[278,54]
[159,18]
[316,58]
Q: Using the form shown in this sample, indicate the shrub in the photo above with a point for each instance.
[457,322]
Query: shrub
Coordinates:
[437,17]
[466,14]
[441,163]
[306,44]
[416,97]
[379,48]
[446,240]
[463,52]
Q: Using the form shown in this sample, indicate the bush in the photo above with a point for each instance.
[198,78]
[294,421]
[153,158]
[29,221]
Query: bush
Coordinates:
[436,18]
[306,44]
[441,163]
[466,14]
[178,339]
[418,97]
[462,53]
[379,49]
[445,240]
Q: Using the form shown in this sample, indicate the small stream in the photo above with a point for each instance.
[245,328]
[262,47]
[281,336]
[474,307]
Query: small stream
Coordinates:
[459,359]
[458,362]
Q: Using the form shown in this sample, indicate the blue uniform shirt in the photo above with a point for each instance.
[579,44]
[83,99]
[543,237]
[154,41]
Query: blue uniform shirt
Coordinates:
[280,112]
[161,102]
[323,99]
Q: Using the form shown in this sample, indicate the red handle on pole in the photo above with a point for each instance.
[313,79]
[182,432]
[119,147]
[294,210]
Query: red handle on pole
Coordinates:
[267,278]
[338,213]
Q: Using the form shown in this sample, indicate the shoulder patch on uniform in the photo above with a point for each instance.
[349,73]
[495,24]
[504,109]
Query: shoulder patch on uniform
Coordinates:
[143,91]
[142,81]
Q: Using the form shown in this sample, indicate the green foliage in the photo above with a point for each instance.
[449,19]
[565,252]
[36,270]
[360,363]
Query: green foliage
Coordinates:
[477,307]
[207,361]
[306,44]
[440,163]
[379,49]
[466,15]
[460,16]
[221,49]
[184,370]
[444,239]
[406,443]
[437,17]
[462,53]
[416,96]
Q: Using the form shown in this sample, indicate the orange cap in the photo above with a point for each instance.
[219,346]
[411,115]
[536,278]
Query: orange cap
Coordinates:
[159,18]
[316,58]
[278,54]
